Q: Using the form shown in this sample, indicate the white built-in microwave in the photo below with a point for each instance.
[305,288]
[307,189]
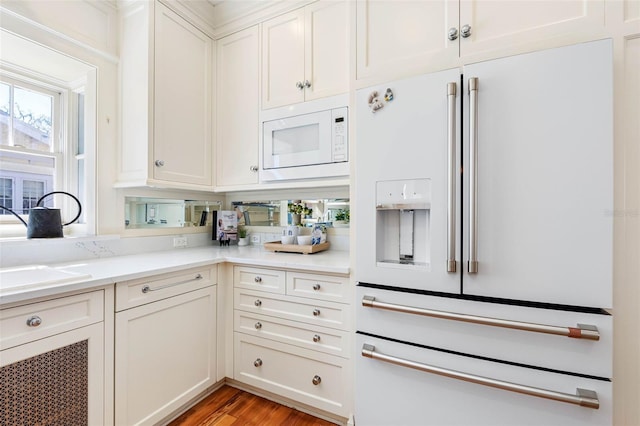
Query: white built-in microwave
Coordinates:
[306,145]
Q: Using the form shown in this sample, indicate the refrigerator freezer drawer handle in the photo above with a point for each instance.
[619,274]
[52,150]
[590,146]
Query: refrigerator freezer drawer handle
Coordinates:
[451,178]
[472,266]
[582,331]
[583,397]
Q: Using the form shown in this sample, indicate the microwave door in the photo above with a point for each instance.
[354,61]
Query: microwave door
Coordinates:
[297,141]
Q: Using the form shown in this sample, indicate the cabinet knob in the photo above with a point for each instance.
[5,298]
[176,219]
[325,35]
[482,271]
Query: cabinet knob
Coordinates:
[159,163]
[465,31]
[453,33]
[316,380]
[258,326]
[299,85]
[253,168]
[316,287]
[316,312]
[258,302]
[34,321]
[316,338]
[258,279]
[307,84]
[257,362]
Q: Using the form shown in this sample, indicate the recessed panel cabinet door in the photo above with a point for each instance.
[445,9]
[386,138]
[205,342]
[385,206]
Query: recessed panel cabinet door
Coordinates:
[183,90]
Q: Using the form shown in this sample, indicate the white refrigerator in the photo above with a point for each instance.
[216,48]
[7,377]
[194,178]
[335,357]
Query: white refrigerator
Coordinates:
[484,226]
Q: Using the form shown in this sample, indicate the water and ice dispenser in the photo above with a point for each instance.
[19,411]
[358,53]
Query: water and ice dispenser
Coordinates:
[402,223]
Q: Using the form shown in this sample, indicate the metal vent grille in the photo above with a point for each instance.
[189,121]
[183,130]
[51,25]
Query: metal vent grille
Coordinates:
[47,389]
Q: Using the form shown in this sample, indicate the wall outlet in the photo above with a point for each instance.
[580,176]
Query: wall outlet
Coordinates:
[179,241]
[255,239]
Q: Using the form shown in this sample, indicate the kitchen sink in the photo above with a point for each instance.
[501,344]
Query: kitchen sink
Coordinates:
[27,277]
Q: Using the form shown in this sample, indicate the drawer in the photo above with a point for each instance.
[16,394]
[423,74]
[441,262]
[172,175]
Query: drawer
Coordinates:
[318,380]
[270,280]
[326,314]
[574,355]
[322,339]
[52,316]
[325,287]
[145,290]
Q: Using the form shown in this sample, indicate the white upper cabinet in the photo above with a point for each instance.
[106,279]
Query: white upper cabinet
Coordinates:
[401,37]
[237,107]
[305,54]
[166,90]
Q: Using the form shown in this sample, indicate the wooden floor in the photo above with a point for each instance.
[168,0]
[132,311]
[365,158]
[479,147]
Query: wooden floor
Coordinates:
[231,406]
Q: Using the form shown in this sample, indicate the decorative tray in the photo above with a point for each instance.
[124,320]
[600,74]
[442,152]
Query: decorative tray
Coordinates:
[295,248]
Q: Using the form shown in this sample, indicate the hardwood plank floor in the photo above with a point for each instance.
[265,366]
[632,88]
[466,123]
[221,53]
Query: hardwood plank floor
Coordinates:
[230,406]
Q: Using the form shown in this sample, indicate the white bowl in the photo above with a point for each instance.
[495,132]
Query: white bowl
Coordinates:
[304,240]
[288,239]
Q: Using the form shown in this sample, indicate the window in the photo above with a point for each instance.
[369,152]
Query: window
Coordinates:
[39,151]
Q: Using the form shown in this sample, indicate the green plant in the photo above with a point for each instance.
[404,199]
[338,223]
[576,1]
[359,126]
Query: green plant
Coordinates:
[242,232]
[296,208]
[342,214]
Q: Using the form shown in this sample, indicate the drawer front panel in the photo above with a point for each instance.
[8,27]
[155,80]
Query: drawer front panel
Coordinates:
[577,355]
[49,318]
[331,341]
[261,279]
[325,287]
[321,313]
[274,367]
[146,290]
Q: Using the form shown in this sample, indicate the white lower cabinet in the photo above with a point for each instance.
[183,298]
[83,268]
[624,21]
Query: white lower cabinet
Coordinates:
[294,341]
[52,366]
[165,348]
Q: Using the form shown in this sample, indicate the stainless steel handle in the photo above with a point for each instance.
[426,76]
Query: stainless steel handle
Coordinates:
[316,287]
[307,84]
[258,302]
[316,312]
[582,331]
[253,168]
[465,31]
[258,325]
[299,85]
[34,321]
[453,33]
[316,380]
[583,397]
[258,279]
[159,163]
[147,289]
[316,338]
[257,362]
[473,176]
[451,178]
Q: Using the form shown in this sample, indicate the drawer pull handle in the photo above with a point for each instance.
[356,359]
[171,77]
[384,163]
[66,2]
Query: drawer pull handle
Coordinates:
[316,312]
[583,397]
[258,279]
[316,287]
[316,338]
[147,289]
[258,302]
[257,362]
[258,326]
[34,321]
[316,380]
[582,331]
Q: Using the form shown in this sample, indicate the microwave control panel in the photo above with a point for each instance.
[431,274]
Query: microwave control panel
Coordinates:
[340,151]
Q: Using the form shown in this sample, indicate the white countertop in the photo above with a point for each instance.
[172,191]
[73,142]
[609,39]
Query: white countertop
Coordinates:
[109,270]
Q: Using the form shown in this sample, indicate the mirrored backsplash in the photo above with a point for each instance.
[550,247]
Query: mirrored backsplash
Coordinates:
[331,212]
[145,212]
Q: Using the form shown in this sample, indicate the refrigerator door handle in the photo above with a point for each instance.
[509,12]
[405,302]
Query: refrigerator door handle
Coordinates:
[473,176]
[451,178]
[583,397]
[582,331]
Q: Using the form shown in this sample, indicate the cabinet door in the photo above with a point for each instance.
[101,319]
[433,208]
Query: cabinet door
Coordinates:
[165,355]
[283,60]
[182,91]
[238,98]
[399,37]
[513,27]
[326,49]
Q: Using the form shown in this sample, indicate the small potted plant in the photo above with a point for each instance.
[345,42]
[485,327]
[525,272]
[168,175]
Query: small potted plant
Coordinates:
[243,239]
[341,218]
[296,210]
